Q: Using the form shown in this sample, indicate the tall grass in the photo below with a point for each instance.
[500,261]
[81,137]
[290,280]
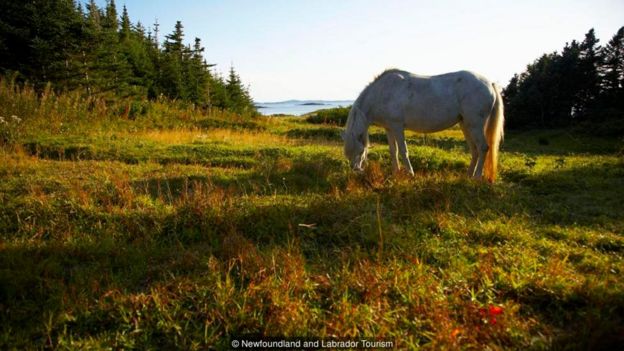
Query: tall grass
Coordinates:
[73,112]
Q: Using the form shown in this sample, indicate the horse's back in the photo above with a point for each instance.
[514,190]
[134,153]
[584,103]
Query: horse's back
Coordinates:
[427,103]
[465,91]
[399,86]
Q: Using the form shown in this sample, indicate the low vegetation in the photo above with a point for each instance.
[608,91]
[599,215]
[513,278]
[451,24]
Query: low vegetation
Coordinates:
[335,116]
[172,228]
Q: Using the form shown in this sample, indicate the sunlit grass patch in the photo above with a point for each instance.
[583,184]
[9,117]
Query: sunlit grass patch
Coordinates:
[217,135]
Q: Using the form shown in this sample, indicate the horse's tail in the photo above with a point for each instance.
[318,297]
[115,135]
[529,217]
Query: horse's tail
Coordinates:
[494,134]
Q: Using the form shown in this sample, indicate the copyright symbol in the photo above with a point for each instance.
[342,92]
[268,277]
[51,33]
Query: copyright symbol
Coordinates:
[235,343]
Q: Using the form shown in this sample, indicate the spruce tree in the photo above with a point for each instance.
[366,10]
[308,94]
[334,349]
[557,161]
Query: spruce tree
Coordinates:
[39,40]
[590,57]
[172,77]
[198,76]
[612,68]
[96,50]
[239,99]
[135,48]
[218,92]
[125,25]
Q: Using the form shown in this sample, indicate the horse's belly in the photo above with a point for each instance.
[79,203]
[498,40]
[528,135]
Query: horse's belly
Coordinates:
[424,123]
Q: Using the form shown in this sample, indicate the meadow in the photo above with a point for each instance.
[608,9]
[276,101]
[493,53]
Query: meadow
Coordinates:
[156,225]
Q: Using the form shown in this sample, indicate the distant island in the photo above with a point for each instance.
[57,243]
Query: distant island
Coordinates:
[297,107]
[312,104]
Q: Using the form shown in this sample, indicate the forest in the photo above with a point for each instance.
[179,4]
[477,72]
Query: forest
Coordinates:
[582,86]
[104,54]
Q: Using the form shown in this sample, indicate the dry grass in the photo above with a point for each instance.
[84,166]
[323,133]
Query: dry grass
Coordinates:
[218,135]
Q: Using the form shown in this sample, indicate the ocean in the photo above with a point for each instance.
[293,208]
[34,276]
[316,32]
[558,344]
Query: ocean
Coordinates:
[299,107]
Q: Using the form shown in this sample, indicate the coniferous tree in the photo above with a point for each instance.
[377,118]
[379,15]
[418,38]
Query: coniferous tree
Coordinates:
[589,86]
[218,92]
[172,77]
[114,71]
[96,50]
[135,48]
[125,31]
[38,39]
[238,97]
[612,69]
[582,83]
[198,80]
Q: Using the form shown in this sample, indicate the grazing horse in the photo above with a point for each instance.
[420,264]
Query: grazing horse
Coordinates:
[397,100]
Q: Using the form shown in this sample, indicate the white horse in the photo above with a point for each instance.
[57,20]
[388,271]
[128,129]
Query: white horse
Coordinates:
[398,100]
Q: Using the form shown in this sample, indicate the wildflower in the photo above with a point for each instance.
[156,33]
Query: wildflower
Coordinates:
[495,310]
[490,314]
[455,332]
[16,119]
[2,121]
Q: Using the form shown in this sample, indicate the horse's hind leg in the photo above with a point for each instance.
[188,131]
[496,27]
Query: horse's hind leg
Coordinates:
[400,140]
[394,156]
[478,137]
[473,150]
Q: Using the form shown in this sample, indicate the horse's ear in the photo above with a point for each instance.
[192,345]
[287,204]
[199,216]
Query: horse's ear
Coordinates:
[343,135]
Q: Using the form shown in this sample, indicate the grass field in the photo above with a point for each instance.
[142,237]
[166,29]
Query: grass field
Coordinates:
[172,229]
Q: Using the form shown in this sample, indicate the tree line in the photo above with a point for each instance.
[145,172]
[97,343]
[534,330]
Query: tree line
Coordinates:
[84,47]
[583,85]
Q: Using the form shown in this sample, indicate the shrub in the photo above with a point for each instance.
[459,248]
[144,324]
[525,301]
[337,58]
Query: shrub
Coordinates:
[335,116]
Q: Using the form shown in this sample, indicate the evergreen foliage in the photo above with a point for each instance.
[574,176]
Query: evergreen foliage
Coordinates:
[103,53]
[582,85]
[238,96]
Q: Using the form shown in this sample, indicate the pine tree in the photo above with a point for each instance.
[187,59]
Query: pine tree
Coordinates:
[567,75]
[38,39]
[91,48]
[590,57]
[218,92]
[172,76]
[174,41]
[558,90]
[109,71]
[125,25]
[136,47]
[239,99]
[613,63]
[156,27]
[198,77]
[94,15]
[110,21]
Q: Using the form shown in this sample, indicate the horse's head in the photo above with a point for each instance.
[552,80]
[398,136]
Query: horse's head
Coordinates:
[355,149]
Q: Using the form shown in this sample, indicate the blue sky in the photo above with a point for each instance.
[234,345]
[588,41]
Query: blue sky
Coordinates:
[331,49]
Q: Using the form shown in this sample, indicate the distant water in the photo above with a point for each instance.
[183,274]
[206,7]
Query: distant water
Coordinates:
[299,107]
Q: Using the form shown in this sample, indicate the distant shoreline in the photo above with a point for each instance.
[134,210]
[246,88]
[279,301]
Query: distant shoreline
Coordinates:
[298,107]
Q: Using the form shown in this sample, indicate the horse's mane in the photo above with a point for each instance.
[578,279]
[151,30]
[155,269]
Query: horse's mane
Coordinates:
[356,121]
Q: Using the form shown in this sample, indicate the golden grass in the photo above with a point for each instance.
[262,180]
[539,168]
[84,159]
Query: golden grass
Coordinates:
[226,136]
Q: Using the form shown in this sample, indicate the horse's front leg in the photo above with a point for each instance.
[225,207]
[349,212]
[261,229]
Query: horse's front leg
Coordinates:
[400,140]
[394,156]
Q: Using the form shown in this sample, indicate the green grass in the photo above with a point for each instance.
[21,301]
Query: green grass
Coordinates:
[180,230]
[336,116]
